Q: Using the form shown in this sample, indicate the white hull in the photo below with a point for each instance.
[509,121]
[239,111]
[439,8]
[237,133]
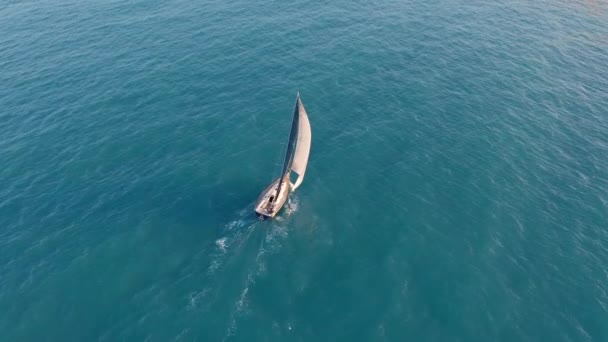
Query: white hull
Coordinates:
[269,204]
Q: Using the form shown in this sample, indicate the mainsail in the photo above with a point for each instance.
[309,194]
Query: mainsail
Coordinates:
[298,147]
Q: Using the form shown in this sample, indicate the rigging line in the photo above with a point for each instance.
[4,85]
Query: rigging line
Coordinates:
[281,155]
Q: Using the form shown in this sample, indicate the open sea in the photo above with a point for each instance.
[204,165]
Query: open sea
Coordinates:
[457,187]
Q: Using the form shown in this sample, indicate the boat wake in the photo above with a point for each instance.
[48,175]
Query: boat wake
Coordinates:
[292,205]
[239,256]
[235,234]
[241,252]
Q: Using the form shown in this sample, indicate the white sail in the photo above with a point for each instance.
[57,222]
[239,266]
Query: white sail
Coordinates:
[300,158]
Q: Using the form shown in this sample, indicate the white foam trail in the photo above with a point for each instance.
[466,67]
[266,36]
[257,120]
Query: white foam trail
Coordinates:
[228,246]
[221,244]
[268,243]
[292,205]
[213,266]
[241,304]
[231,246]
[196,297]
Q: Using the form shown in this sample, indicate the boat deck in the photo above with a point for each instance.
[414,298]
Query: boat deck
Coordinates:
[269,204]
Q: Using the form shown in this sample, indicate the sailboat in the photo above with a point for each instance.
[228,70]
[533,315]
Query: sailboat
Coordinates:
[272,199]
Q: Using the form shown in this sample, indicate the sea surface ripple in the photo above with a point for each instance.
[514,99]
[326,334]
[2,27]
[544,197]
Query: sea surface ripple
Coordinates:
[457,188]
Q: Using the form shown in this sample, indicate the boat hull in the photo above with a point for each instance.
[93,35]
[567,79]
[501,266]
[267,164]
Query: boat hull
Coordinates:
[269,203]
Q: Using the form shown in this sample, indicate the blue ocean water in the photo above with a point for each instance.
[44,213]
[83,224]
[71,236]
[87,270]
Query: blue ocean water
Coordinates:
[457,188]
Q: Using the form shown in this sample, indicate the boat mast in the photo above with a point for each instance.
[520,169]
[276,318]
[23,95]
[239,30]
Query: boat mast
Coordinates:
[291,144]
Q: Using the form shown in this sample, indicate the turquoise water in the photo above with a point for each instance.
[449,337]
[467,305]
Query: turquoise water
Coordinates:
[457,188]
